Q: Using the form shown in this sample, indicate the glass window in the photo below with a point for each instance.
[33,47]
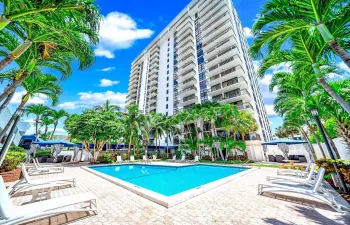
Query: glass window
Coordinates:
[168,54]
[168,60]
[167,84]
[168,66]
[167,98]
[167,106]
[167,72]
[166,114]
[167,78]
[168,49]
[200,60]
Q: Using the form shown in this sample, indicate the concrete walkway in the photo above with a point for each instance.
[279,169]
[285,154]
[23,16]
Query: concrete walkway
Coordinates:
[236,202]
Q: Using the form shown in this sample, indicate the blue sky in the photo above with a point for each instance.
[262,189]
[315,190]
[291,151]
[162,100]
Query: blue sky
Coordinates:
[128,27]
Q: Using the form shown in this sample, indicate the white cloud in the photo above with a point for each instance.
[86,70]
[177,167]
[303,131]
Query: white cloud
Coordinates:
[38,99]
[270,111]
[344,67]
[248,32]
[89,99]
[108,83]
[118,31]
[266,80]
[107,69]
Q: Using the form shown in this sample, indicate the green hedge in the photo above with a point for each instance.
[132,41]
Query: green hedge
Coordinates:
[12,160]
[14,148]
[43,153]
[105,158]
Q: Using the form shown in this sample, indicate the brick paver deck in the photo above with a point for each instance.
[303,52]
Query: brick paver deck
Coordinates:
[236,202]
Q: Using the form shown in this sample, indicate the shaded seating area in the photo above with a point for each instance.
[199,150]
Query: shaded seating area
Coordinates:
[284,147]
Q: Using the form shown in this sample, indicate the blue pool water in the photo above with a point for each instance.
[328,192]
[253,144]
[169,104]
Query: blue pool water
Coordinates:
[168,180]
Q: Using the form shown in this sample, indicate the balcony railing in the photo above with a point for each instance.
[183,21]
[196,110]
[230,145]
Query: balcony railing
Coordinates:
[224,62]
[245,106]
[188,98]
[188,89]
[189,80]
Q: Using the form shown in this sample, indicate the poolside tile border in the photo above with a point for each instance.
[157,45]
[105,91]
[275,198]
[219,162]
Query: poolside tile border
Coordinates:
[170,201]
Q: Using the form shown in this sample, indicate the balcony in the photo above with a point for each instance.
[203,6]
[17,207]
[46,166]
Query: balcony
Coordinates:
[183,48]
[154,99]
[154,56]
[153,81]
[216,23]
[155,49]
[153,87]
[188,91]
[154,62]
[246,107]
[224,65]
[134,80]
[152,93]
[233,96]
[131,95]
[234,83]
[183,22]
[217,29]
[221,56]
[154,66]
[132,86]
[186,74]
[189,100]
[153,75]
[185,52]
[187,83]
[153,106]
[205,14]
[219,39]
[214,14]
[186,59]
[154,69]
[184,26]
[205,4]
[181,36]
[236,71]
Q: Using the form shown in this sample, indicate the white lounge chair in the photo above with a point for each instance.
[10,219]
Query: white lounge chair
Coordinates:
[26,182]
[37,169]
[301,180]
[315,191]
[41,165]
[196,160]
[173,159]
[119,159]
[299,173]
[145,159]
[132,158]
[11,214]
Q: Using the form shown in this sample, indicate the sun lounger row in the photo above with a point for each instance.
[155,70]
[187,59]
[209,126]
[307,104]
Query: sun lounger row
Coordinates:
[304,183]
[41,189]
[183,159]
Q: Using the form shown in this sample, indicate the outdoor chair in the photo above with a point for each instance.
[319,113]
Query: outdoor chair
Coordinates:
[272,158]
[173,159]
[56,165]
[307,179]
[60,158]
[279,158]
[49,169]
[183,159]
[299,173]
[132,158]
[26,182]
[11,214]
[315,191]
[43,159]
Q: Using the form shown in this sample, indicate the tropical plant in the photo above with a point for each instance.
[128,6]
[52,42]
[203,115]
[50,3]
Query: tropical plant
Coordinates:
[38,111]
[46,122]
[307,57]
[40,84]
[56,115]
[280,20]
[132,119]
[107,107]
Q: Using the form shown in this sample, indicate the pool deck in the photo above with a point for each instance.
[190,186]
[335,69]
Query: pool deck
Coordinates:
[235,202]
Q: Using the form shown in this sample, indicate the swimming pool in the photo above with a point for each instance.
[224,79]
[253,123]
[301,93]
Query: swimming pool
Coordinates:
[168,180]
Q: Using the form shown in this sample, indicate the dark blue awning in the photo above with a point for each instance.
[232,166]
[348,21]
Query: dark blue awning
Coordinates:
[284,141]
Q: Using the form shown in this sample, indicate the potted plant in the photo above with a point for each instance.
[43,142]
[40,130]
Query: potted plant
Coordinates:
[14,157]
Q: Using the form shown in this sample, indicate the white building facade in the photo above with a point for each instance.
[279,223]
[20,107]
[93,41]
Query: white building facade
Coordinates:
[202,55]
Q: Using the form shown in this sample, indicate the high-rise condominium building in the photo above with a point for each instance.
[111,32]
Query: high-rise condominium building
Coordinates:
[200,56]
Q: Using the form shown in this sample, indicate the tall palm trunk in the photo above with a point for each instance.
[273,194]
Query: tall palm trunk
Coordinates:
[12,87]
[146,144]
[344,131]
[329,90]
[13,117]
[316,138]
[335,150]
[129,147]
[167,145]
[309,143]
[332,42]
[15,54]
[36,128]
[54,129]
[7,101]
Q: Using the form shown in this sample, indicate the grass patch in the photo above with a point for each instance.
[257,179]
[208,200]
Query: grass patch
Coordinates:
[264,165]
[224,162]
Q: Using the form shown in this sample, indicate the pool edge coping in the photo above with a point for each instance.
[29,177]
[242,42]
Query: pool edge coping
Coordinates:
[170,201]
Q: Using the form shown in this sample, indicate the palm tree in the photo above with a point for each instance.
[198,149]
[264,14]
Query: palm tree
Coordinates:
[229,114]
[283,19]
[39,111]
[148,122]
[34,12]
[107,107]
[306,55]
[159,129]
[46,122]
[132,119]
[170,129]
[56,115]
[43,84]
[295,96]
[64,47]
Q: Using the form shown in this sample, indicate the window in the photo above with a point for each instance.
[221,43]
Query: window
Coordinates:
[168,66]
[166,114]
[200,60]
[167,72]
[168,44]
[168,54]
[168,39]
[167,84]
[167,78]
[167,91]
[167,106]
[168,60]
[168,49]
[167,98]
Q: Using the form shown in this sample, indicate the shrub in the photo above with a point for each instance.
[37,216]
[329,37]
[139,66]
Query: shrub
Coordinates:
[236,157]
[328,165]
[42,153]
[189,156]
[206,157]
[162,156]
[12,160]
[125,156]
[14,148]
[105,158]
